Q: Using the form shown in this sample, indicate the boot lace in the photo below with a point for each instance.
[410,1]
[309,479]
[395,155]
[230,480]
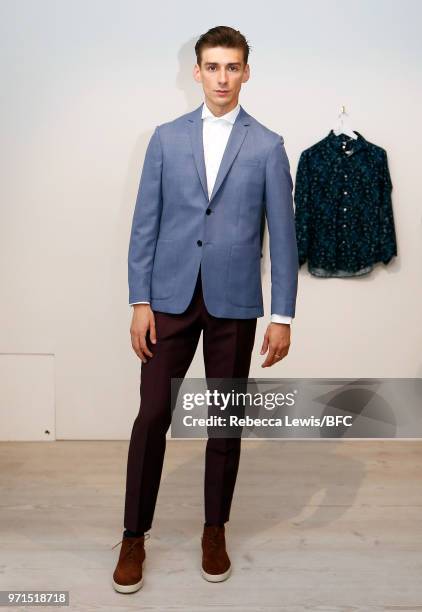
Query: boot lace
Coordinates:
[129,552]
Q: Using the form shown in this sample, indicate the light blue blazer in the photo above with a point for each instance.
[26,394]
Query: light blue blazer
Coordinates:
[177,228]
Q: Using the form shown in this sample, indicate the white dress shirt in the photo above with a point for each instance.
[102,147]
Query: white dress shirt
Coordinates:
[216,132]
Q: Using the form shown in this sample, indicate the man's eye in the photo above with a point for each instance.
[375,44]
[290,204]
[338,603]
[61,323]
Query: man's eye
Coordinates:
[232,68]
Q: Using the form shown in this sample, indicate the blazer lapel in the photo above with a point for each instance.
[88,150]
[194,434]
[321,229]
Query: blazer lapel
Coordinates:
[236,138]
[195,132]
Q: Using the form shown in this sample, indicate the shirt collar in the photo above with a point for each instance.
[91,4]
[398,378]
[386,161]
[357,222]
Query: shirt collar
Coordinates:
[230,116]
[343,143]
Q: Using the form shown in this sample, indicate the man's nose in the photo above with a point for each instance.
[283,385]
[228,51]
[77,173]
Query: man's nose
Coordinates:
[222,76]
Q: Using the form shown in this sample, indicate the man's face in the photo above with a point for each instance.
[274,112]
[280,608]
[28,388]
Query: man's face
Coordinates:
[221,73]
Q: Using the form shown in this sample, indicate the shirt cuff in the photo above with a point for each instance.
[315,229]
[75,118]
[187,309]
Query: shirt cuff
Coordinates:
[276,318]
[138,303]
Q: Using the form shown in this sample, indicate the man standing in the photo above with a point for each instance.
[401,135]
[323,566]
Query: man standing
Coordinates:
[194,265]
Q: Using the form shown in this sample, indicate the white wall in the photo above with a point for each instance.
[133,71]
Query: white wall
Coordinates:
[84,84]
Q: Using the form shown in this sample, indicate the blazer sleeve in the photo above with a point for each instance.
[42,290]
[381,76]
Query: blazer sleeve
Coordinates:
[388,244]
[146,223]
[281,228]
[302,208]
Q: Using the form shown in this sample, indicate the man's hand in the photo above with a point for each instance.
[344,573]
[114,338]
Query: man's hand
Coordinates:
[277,338]
[142,321]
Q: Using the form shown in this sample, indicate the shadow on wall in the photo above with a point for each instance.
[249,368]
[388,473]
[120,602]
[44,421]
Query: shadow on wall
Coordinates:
[184,78]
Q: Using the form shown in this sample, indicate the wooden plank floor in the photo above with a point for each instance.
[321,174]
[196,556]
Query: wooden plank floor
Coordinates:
[316,525]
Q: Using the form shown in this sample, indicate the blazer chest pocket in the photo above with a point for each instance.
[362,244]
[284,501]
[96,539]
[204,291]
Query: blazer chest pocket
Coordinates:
[248,161]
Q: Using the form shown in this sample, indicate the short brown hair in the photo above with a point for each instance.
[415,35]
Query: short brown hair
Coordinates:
[222,36]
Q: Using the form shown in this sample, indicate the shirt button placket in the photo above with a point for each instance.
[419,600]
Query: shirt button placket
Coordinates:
[345,192]
[344,225]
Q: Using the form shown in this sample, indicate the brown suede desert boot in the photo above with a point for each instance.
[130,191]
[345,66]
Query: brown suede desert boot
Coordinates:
[216,564]
[127,577]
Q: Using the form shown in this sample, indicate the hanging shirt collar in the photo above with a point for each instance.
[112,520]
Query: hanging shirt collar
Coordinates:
[345,144]
[230,116]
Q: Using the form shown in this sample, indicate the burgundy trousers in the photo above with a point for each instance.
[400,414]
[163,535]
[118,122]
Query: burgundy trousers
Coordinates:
[227,350]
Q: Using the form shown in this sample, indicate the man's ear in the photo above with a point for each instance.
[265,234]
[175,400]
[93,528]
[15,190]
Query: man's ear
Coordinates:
[246,74]
[197,73]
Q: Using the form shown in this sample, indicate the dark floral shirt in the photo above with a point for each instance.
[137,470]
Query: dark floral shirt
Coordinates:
[343,211]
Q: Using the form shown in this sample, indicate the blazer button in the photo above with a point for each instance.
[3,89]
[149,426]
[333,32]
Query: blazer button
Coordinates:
[199,242]
[208,211]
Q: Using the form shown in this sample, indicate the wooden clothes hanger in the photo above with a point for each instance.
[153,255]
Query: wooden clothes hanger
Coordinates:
[343,125]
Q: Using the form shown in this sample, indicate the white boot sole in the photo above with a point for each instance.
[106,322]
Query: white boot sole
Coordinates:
[129,588]
[216,577]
